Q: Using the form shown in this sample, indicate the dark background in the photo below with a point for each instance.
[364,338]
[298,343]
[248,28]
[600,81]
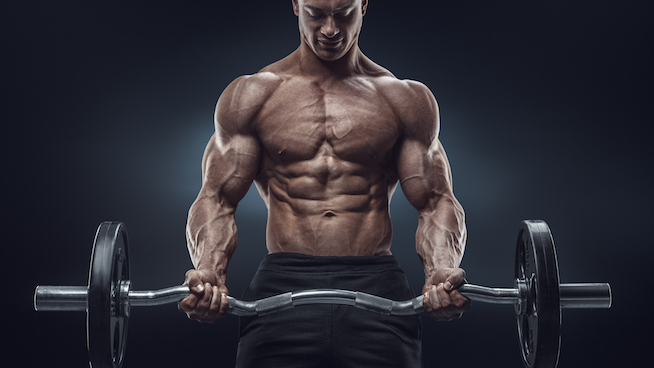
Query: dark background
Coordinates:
[546,112]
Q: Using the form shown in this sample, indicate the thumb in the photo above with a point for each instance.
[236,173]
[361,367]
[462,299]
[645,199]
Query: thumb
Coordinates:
[455,279]
[194,282]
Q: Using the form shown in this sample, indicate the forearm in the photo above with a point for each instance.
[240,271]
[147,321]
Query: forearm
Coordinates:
[211,235]
[441,235]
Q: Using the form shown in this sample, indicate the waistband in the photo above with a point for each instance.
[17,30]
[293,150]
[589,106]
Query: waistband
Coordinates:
[297,262]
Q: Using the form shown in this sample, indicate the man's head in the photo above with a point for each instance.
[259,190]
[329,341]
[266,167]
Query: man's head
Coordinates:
[330,27]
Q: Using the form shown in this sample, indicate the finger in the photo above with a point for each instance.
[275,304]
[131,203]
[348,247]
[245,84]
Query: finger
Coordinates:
[214,308]
[443,296]
[224,304]
[188,304]
[439,311]
[427,301]
[460,301]
[433,301]
[204,303]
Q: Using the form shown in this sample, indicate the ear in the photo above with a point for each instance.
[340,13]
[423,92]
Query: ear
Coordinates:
[296,7]
[364,6]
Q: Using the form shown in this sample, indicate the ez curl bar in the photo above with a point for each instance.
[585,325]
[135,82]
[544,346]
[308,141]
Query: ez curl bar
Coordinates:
[538,297]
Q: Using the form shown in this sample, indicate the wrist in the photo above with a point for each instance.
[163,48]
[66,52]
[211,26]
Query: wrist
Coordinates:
[211,276]
[444,274]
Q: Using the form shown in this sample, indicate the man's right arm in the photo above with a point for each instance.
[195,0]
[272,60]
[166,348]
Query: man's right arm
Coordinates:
[230,164]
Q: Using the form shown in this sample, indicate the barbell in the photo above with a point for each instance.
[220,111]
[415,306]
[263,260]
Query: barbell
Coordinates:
[537,296]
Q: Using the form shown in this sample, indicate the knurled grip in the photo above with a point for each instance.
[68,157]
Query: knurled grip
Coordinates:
[373,303]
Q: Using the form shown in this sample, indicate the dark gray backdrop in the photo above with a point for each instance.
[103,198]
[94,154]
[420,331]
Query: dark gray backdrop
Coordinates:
[546,113]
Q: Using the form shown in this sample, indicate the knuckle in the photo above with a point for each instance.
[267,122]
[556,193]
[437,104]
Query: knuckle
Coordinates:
[202,306]
[224,306]
[191,274]
[459,302]
[189,303]
[207,296]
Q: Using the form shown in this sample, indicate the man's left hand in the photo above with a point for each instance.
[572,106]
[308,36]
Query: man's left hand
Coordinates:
[441,299]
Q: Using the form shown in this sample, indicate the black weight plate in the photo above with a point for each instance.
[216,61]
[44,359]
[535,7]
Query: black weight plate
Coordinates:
[539,328]
[106,322]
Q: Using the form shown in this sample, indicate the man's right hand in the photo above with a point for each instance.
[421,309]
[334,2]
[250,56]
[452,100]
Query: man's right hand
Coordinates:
[208,300]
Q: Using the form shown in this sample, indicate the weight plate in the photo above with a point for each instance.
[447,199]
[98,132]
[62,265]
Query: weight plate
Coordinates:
[539,323]
[106,319]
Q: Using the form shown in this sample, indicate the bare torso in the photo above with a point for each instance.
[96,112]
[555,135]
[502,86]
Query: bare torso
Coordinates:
[326,134]
[327,173]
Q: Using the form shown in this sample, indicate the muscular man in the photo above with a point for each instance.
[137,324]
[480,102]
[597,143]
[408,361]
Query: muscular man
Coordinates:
[326,135]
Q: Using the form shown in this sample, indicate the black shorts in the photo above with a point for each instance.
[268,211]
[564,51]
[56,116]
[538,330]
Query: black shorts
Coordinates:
[324,335]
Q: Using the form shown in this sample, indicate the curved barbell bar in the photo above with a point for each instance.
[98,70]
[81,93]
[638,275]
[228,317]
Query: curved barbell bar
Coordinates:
[74,298]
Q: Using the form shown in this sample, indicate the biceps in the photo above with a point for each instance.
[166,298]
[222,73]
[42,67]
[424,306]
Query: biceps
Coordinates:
[424,174]
[229,167]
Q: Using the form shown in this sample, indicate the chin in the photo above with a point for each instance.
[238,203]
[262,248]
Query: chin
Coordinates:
[329,56]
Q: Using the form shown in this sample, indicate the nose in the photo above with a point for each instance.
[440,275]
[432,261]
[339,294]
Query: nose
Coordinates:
[329,28]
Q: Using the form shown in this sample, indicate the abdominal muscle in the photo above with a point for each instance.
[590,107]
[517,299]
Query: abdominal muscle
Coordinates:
[336,215]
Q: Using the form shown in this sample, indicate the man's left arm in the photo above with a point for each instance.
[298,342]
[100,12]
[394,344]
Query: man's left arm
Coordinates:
[425,176]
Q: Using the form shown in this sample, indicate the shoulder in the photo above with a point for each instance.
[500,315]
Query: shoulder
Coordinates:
[249,90]
[253,90]
[413,103]
[243,98]
[406,93]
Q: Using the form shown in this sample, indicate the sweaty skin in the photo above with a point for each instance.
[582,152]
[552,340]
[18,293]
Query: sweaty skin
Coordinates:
[326,135]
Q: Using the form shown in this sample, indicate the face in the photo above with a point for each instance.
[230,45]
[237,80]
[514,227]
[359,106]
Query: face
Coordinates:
[330,27]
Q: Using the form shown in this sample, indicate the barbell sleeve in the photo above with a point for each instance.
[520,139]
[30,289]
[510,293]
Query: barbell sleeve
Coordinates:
[60,298]
[587,295]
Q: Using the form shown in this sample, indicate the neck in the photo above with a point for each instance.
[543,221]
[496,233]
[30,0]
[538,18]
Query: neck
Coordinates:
[346,66]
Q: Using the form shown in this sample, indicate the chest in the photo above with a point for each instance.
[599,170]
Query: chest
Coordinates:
[351,118]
